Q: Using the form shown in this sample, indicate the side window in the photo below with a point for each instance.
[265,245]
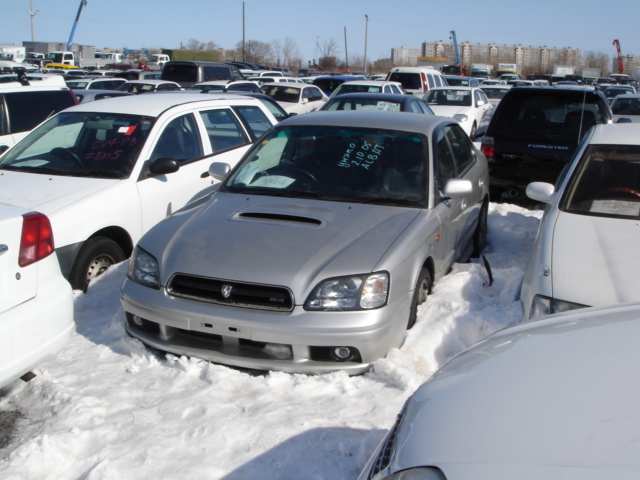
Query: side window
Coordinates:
[446,166]
[461,148]
[179,140]
[3,123]
[224,129]
[476,97]
[26,110]
[255,119]
[395,89]
[415,107]
[431,80]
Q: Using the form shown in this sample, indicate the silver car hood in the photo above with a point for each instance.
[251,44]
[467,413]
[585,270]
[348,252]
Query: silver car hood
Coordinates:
[595,260]
[554,398]
[277,241]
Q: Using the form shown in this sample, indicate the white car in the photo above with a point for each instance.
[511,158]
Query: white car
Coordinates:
[106,172]
[36,302]
[626,106]
[369,86]
[96,83]
[295,98]
[586,251]
[551,399]
[468,106]
[495,93]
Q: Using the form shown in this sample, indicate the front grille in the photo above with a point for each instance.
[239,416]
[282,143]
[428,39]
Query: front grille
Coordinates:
[235,294]
[383,459]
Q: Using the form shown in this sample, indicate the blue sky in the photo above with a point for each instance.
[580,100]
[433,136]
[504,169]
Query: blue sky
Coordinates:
[164,24]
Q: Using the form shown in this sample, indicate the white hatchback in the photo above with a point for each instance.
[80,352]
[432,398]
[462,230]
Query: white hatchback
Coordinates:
[106,172]
[469,106]
[586,251]
[36,303]
[295,98]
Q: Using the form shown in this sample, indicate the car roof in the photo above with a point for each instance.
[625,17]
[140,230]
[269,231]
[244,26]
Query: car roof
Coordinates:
[151,82]
[421,124]
[616,134]
[391,97]
[151,105]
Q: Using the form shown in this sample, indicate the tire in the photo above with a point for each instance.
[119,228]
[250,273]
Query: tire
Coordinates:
[96,255]
[423,288]
[480,235]
[474,130]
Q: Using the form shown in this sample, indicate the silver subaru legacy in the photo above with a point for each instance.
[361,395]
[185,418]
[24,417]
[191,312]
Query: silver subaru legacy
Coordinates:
[317,248]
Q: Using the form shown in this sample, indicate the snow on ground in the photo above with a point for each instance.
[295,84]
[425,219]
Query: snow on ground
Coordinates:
[106,407]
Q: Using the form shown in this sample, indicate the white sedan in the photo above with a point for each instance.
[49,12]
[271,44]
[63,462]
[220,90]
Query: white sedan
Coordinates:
[36,303]
[106,172]
[586,252]
[469,106]
[626,106]
[552,399]
[296,98]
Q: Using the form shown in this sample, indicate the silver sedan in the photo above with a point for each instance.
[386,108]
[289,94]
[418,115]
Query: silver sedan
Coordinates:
[316,250]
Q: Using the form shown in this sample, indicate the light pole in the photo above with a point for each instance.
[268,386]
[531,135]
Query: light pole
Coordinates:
[33,14]
[366,36]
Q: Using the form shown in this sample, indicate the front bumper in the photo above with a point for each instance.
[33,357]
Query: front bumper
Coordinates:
[296,342]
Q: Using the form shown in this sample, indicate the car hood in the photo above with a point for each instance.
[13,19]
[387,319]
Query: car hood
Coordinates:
[276,241]
[595,260]
[554,398]
[47,193]
[449,111]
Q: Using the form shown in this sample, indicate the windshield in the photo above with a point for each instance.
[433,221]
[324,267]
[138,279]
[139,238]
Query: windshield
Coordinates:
[449,96]
[606,183]
[345,164]
[349,87]
[361,103]
[282,93]
[92,145]
[626,106]
[495,93]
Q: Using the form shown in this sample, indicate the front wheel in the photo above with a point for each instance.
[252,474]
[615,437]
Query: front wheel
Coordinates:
[94,258]
[423,288]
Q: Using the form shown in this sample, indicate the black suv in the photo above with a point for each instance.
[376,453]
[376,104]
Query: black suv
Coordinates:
[187,73]
[534,132]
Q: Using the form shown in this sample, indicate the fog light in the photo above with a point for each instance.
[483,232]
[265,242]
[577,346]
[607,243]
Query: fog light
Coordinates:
[342,353]
[137,320]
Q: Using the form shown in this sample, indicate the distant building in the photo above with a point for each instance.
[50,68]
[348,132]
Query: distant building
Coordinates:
[405,57]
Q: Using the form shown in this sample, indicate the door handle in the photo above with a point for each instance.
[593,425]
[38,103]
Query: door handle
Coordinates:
[3,249]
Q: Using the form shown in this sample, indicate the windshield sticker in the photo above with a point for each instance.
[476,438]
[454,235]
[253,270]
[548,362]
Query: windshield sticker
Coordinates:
[615,207]
[127,130]
[273,181]
[363,157]
[388,106]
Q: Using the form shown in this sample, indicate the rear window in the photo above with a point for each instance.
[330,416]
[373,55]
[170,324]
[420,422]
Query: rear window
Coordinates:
[409,81]
[26,110]
[180,73]
[558,113]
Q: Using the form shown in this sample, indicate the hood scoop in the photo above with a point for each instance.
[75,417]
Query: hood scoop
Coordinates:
[278,218]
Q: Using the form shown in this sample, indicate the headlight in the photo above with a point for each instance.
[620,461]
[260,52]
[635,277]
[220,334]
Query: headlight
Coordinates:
[542,305]
[460,118]
[143,269]
[358,292]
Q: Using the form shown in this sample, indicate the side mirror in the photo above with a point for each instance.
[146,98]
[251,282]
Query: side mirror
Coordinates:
[624,120]
[456,188]
[480,103]
[219,170]
[163,166]
[540,191]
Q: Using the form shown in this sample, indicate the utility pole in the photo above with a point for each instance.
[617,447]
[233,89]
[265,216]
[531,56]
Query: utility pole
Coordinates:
[33,14]
[243,31]
[346,54]
[366,35]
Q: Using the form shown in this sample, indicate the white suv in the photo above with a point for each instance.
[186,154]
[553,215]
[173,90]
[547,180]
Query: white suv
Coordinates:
[24,105]
[417,80]
[105,172]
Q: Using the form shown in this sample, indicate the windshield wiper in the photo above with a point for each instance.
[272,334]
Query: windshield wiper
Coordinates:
[26,168]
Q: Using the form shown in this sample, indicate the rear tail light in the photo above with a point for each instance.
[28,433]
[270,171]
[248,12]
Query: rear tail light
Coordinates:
[425,84]
[488,148]
[37,238]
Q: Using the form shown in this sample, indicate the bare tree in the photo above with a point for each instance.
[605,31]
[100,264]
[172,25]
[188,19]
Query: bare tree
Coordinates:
[599,60]
[328,51]
[255,51]
[194,44]
[290,52]
[356,61]
[211,46]
[276,53]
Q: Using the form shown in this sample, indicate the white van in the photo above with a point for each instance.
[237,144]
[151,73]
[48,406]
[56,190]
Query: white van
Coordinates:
[417,80]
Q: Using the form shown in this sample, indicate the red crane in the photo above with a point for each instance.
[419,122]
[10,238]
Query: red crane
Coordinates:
[620,63]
